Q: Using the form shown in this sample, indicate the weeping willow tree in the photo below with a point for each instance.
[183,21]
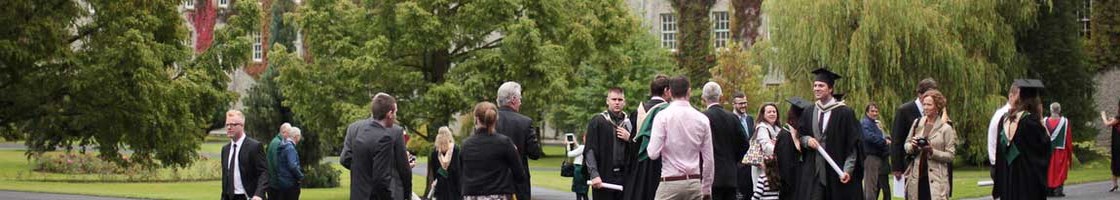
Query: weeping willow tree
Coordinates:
[885,47]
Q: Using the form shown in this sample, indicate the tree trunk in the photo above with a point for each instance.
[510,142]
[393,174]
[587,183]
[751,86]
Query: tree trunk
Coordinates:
[745,22]
[694,46]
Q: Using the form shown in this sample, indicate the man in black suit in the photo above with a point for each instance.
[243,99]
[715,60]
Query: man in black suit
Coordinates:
[904,117]
[729,143]
[519,129]
[746,187]
[374,152]
[244,173]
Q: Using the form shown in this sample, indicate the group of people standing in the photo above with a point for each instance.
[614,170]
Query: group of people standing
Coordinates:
[667,149]
[251,170]
[491,163]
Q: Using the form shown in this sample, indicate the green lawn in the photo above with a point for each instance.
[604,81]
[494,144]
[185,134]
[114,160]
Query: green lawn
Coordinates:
[13,165]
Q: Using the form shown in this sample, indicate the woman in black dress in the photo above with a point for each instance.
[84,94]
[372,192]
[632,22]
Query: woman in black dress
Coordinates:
[443,168]
[1114,125]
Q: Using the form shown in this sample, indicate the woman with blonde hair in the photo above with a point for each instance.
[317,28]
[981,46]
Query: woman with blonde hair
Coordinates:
[932,141]
[491,165]
[444,168]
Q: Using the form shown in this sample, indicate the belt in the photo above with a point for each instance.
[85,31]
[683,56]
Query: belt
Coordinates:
[680,178]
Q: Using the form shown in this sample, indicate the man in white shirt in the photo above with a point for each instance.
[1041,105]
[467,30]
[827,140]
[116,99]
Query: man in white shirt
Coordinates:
[244,171]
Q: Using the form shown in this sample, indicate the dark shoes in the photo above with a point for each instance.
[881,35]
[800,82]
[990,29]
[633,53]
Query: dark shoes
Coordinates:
[1114,187]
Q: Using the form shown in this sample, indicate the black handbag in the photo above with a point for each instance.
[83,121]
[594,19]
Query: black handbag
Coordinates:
[567,169]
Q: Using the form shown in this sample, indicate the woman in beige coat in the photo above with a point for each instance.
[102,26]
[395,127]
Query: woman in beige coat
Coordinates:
[932,143]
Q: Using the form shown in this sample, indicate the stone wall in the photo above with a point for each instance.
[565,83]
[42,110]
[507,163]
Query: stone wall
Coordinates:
[1107,95]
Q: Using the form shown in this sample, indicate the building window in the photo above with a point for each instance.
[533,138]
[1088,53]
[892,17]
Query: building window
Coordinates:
[188,4]
[669,31]
[1084,16]
[223,3]
[258,50]
[721,29]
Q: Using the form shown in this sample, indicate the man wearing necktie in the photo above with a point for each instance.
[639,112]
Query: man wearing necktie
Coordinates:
[244,172]
[832,126]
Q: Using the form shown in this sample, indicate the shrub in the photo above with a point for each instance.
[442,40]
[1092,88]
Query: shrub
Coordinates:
[320,176]
[420,147]
[74,163]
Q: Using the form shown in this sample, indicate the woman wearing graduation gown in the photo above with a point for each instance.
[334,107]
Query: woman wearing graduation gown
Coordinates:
[1023,149]
[932,142]
[787,150]
[443,168]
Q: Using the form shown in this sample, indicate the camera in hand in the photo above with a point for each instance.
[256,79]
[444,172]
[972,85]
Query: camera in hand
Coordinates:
[922,142]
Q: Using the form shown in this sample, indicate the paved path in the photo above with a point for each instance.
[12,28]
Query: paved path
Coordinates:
[1087,191]
[539,193]
[14,195]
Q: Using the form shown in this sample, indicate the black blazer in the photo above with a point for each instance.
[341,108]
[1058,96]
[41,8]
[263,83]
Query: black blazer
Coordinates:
[375,156]
[490,165]
[519,129]
[729,144]
[254,170]
[904,117]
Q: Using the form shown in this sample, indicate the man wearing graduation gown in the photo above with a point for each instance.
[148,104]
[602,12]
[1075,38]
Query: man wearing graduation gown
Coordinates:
[729,143]
[832,126]
[746,186]
[788,149]
[1023,150]
[1061,141]
[608,135]
[644,174]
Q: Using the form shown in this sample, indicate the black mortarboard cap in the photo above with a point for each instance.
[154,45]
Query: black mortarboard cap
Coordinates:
[823,75]
[798,104]
[1029,88]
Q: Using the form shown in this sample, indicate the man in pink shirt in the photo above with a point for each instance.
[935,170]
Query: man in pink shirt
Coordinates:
[681,138]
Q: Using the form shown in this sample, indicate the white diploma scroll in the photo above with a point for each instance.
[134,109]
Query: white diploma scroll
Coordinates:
[830,162]
[609,186]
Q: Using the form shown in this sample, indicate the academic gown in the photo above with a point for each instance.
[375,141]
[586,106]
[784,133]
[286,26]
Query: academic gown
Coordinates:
[1062,144]
[645,173]
[789,161]
[447,186]
[841,138]
[1021,167]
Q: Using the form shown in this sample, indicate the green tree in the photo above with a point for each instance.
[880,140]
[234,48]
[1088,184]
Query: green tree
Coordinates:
[110,75]
[1054,53]
[440,57]
[694,48]
[883,52]
[1104,34]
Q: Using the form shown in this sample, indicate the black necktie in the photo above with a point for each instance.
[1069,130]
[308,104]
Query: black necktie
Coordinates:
[232,160]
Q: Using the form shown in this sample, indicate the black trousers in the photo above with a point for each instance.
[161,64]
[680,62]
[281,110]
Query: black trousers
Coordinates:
[725,192]
[235,197]
[284,194]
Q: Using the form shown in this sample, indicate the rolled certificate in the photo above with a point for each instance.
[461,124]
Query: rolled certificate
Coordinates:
[830,162]
[609,186]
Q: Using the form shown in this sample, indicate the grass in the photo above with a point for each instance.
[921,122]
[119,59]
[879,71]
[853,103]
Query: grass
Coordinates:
[13,163]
